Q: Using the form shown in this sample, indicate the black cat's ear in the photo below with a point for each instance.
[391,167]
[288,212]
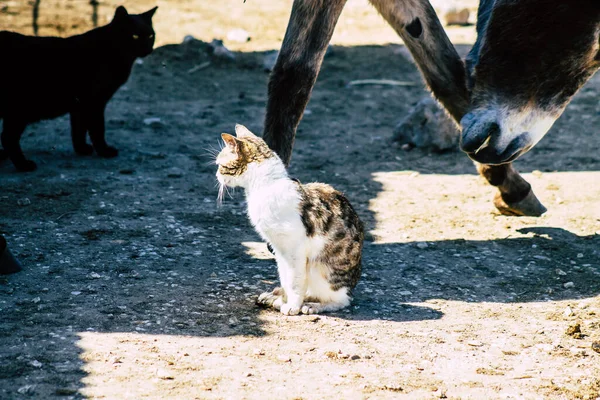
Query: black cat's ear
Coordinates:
[120,13]
[230,141]
[149,14]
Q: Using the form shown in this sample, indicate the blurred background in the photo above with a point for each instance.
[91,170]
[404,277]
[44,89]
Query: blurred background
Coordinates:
[253,25]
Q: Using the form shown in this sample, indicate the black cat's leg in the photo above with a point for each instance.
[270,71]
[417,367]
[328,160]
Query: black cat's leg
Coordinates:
[11,137]
[95,124]
[78,133]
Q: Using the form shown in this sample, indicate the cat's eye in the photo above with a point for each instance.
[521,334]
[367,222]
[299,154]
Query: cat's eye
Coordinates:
[136,37]
[151,36]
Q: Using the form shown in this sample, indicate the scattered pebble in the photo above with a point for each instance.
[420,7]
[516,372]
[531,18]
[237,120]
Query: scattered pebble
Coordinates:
[422,245]
[24,202]
[568,312]
[574,331]
[26,390]
[457,17]
[568,285]
[258,352]
[238,35]
[162,373]
[475,343]
[560,272]
[36,364]
[220,51]
[596,347]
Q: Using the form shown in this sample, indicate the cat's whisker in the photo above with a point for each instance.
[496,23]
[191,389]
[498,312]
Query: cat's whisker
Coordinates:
[222,189]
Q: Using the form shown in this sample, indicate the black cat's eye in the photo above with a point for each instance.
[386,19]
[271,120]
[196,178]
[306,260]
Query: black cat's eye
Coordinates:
[136,37]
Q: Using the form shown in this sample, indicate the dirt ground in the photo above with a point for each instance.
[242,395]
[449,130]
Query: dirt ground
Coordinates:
[136,285]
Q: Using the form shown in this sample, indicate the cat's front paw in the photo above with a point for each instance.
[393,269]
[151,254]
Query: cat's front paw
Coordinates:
[310,308]
[108,152]
[84,149]
[287,309]
[26,166]
[271,299]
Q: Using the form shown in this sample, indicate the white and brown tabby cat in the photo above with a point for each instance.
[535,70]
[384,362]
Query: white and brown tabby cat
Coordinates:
[316,235]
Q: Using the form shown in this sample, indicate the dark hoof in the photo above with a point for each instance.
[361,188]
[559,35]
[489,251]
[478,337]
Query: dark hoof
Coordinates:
[8,263]
[84,149]
[26,166]
[530,206]
[108,152]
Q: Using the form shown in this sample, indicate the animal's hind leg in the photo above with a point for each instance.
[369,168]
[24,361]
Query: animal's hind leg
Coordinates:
[306,39]
[78,134]
[11,137]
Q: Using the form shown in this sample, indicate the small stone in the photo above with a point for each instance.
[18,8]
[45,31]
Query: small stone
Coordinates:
[422,245]
[36,300]
[343,356]
[568,285]
[76,293]
[560,272]
[238,35]
[537,173]
[574,331]
[220,51]
[95,275]
[164,374]
[153,122]
[189,38]
[427,126]
[405,293]
[355,357]
[407,146]
[568,312]
[258,352]
[457,17]
[475,343]
[24,202]
[284,358]
[27,389]
[36,364]
[579,255]
[596,347]
[330,354]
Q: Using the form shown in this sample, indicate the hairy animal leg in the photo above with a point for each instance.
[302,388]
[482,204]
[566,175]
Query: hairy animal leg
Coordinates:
[306,39]
[78,134]
[514,196]
[443,70]
[11,137]
[94,119]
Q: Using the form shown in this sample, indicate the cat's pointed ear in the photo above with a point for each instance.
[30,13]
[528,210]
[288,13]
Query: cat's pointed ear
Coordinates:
[230,141]
[120,13]
[149,14]
[242,131]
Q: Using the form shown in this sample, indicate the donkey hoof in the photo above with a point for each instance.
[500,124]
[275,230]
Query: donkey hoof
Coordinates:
[530,206]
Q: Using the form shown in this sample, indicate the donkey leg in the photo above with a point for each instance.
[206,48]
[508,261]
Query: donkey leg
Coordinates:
[514,196]
[444,72]
[308,33]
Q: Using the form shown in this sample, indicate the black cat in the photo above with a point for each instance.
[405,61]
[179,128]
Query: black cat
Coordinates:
[46,77]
